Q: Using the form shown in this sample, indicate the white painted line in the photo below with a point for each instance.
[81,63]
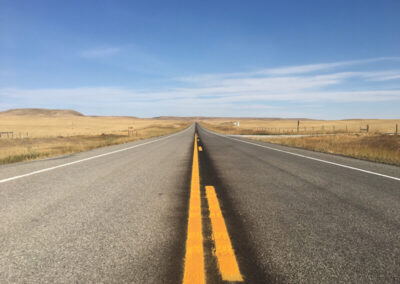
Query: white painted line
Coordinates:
[307,157]
[90,158]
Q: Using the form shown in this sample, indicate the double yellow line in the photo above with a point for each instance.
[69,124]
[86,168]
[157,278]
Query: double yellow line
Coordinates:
[194,259]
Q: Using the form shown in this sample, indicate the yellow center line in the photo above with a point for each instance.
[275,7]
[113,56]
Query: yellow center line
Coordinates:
[194,257]
[227,262]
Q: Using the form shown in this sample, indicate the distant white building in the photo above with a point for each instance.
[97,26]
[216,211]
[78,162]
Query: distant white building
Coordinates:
[236,123]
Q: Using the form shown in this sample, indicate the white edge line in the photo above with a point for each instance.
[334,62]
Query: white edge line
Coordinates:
[303,156]
[89,158]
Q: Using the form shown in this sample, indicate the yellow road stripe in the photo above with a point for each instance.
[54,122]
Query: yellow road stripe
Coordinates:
[200,148]
[228,265]
[194,258]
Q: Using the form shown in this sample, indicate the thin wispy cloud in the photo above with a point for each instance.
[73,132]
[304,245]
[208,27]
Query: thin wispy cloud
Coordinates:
[324,66]
[287,70]
[127,57]
[99,52]
[251,91]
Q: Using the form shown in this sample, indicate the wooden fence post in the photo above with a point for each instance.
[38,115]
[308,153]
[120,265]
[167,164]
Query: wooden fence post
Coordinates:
[131,131]
[397,129]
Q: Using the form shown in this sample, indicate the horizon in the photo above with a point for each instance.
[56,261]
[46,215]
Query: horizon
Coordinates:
[196,116]
[311,60]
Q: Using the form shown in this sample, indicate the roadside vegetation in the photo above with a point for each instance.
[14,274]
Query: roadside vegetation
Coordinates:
[264,126]
[377,148]
[379,145]
[43,137]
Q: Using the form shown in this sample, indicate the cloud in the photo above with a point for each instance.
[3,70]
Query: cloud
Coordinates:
[128,57]
[226,93]
[301,69]
[383,76]
[289,87]
[288,70]
[99,52]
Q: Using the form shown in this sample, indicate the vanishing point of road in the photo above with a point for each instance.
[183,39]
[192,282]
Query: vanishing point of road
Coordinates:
[199,207]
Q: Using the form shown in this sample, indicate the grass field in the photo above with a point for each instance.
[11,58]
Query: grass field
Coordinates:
[289,126]
[38,137]
[377,148]
[376,145]
[54,126]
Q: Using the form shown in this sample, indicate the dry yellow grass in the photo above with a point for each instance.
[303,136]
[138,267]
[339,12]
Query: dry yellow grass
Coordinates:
[289,126]
[52,136]
[374,146]
[377,148]
[39,127]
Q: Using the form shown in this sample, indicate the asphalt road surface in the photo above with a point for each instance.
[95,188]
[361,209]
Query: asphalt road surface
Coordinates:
[118,218]
[120,214]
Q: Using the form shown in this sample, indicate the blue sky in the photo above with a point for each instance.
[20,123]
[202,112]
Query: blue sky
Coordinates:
[316,59]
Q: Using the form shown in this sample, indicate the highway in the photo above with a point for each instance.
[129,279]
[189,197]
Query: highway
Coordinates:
[212,209]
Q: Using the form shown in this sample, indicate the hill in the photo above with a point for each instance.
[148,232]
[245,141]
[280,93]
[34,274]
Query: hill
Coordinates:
[223,118]
[41,112]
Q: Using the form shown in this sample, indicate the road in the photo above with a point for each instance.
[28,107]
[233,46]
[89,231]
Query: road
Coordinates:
[139,213]
[117,218]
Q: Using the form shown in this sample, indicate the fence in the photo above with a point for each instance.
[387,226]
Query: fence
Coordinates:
[8,133]
[324,129]
[22,135]
[12,135]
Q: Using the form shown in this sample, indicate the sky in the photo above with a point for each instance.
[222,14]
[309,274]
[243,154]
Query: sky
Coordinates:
[313,59]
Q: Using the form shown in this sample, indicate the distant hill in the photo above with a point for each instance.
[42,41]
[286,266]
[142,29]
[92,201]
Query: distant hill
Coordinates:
[41,112]
[179,117]
[223,117]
